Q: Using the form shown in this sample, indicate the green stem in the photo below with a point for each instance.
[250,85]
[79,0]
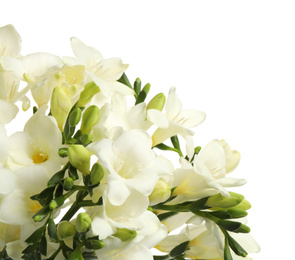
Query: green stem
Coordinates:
[74,208]
[176,208]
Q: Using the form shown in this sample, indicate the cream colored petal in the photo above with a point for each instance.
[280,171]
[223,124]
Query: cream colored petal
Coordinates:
[190,118]
[173,104]
[112,69]
[7,181]
[10,41]
[157,118]
[88,56]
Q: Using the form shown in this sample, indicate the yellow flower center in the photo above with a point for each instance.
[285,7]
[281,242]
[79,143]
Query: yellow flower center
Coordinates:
[35,206]
[39,156]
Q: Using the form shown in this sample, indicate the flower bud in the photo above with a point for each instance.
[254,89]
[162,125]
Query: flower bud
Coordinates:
[125,234]
[94,244]
[90,119]
[90,89]
[83,222]
[76,255]
[157,102]
[220,201]
[85,139]
[79,157]
[68,183]
[75,116]
[60,106]
[96,173]
[161,193]
[65,230]
[63,152]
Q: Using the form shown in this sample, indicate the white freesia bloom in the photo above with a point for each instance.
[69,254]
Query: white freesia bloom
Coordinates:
[10,46]
[104,73]
[179,121]
[37,144]
[131,164]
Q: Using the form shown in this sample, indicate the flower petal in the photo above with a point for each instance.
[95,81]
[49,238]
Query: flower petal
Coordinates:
[10,41]
[8,111]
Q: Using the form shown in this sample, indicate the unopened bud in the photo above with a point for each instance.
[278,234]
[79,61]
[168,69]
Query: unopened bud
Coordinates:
[63,152]
[65,230]
[94,244]
[76,254]
[89,119]
[85,139]
[68,183]
[90,89]
[79,157]
[161,193]
[125,234]
[157,102]
[96,173]
[83,222]
[60,106]
[75,116]
[220,201]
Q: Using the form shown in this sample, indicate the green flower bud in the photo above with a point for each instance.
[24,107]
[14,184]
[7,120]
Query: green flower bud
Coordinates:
[90,89]
[60,106]
[85,139]
[63,152]
[157,102]
[96,173]
[83,222]
[220,201]
[76,255]
[125,234]
[75,116]
[161,193]
[90,119]
[79,157]
[68,183]
[94,244]
[65,230]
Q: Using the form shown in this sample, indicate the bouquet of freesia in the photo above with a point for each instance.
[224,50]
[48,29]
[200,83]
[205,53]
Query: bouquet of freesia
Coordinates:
[89,177]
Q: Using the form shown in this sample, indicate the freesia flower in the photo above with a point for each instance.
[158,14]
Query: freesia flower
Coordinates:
[104,73]
[176,121]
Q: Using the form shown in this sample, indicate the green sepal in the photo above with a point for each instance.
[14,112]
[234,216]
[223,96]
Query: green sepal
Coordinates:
[52,230]
[94,244]
[229,225]
[179,250]
[43,246]
[35,236]
[73,173]
[199,205]
[41,214]
[56,178]
[45,196]
[166,215]
[76,255]
[227,253]
[175,142]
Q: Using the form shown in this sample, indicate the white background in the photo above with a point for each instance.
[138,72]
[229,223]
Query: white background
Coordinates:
[235,60]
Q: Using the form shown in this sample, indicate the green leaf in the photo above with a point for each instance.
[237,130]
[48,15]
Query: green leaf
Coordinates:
[73,173]
[179,250]
[45,196]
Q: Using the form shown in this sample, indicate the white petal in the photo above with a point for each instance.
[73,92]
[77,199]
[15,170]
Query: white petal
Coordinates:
[87,55]
[15,65]
[173,104]
[4,144]
[101,227]
[7,180]
[158,118]
[117,192]
[112,69]
[8,111]
[231,182]
[190,118]
[36,64]
[10,41]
